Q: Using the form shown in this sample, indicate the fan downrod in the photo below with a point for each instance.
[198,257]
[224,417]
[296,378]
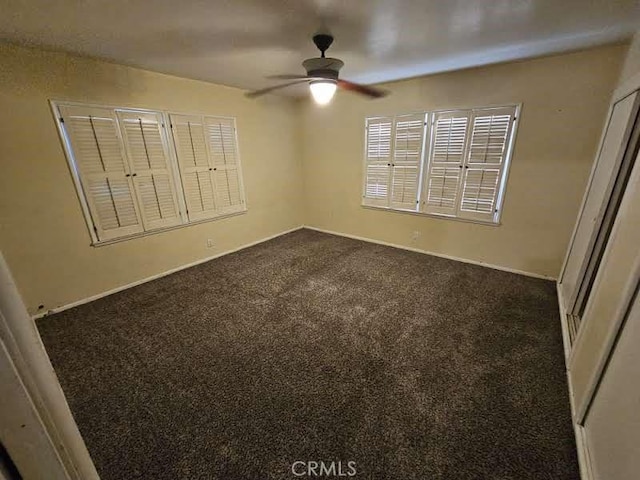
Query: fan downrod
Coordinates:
[323,41]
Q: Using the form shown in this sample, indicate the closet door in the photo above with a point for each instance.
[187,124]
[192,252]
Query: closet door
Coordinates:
[612,294]
[603,180]
[612,426]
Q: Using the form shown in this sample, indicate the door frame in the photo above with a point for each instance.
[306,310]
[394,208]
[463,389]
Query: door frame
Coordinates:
[579,412]
[625,305]
[631,305]
[35,392]
[620,93]
[22,430]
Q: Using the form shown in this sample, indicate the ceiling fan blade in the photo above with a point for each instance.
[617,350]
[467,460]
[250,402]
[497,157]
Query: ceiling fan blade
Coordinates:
[287,76]
[362,89]
[257,93]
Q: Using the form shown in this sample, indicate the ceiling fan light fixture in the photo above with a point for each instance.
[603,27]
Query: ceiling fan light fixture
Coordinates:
[322,76]
[323,90]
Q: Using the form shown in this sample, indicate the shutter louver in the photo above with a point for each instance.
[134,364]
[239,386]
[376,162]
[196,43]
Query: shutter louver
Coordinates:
[448,143]
[221,136]
[479,191]
[407,156]
[97,153]
[195,166]
[378,161]
[485,162]
[146,145]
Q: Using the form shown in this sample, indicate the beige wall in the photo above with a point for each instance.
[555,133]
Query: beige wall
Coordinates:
[565,100]
[43,234]
[287,149]
[631,65]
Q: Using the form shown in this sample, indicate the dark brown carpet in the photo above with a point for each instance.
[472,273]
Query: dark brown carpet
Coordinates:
[313,347]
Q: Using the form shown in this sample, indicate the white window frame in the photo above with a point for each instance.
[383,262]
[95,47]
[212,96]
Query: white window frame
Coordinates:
[424,164]
[173,165]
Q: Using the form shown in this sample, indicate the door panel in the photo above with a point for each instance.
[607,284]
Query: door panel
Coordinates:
[609,299]
[613,148]
[612,425]
[608,219]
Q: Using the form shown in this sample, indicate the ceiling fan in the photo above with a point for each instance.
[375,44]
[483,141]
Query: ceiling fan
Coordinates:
[322,76]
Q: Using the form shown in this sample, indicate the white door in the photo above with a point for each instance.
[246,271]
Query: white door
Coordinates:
[612,425]
[21,428]
[36,425]
[612,151]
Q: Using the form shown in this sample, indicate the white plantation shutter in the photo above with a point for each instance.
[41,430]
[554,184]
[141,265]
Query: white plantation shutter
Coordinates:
[196,167]
[377,161]
[407,157]
[223,150]
[103,170]
[448,146]
[458,170]
[485,162]
[123,165]
[145,141]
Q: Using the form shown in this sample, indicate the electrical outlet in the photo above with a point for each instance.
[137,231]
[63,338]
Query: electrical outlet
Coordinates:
[209,243]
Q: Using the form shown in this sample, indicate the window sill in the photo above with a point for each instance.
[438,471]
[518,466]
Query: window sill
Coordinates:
[431,215]
[166,229]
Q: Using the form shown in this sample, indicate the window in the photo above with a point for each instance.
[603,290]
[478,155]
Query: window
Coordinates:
[124,165]
[446,163]
[209,165]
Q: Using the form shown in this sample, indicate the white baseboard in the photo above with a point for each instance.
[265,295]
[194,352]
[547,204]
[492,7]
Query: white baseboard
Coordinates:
[441,255]
[202,260]
[566,342]
[159,275]
[584,460]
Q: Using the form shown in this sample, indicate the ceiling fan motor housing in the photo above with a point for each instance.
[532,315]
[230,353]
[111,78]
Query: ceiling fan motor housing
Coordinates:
[323,41]
[323,67]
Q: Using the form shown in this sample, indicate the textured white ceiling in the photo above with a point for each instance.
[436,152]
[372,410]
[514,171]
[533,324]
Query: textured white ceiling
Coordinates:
[238,42]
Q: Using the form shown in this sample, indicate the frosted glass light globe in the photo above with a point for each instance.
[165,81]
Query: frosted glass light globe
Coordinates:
[323,91]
